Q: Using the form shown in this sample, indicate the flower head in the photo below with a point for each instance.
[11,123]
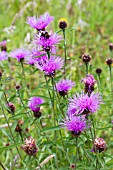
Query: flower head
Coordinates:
[34,103]
[99,145]
[40,23]
[19,54]
[48,42]
[89,82]
[86,58]
[63,23]
[30,146]
[75,124]
[3,55]
[84,104]
[49,65]
[63,86]
[11,107]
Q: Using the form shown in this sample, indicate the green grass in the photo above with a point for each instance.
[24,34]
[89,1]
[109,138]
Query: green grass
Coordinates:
[93,39]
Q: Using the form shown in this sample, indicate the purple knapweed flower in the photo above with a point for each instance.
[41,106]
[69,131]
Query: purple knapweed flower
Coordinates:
[3,55]
[49,65]
[48,42]
[3,45]
[63,86]
[34,104]
[89,82]
[36,53]
[40,23]
[75,124]
[84,104]
[20,54]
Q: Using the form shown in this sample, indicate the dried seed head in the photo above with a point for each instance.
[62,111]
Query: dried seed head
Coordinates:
[111,46]
[98,71]
[99,144]
[30,146]
[109,61]
[19,126]
[86,58]
[63,23]
[11,107]
[7,144]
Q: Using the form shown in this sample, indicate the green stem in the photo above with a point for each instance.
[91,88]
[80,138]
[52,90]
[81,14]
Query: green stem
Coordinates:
[10,130]
[64,35]
[86,68]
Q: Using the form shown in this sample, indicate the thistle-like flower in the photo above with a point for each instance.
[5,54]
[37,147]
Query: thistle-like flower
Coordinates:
[63,23]
[20,54]
[75,124]
[84,104]
[34,105]
[3,56]
[40,23]
[48,42]
[89,82]
[49,65]
[30,146]
[63,86]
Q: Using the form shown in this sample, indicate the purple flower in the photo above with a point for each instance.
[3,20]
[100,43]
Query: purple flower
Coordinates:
[41,22]
[84,104]
[3,55]
[19,54]
[34,103]
[49,65]
[89,82]
[48,42]
[75,124]
[63,86]
[37,53]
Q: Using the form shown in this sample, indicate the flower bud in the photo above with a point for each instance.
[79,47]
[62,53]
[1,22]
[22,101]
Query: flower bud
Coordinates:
[18,126]
[86,58]
[99,145]
[111,46]
[11,107]
[109,61]
[98,71]
[62,23]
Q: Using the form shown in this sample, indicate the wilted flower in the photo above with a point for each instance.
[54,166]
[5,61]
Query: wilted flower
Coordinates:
[3,45]
[34,104]
[40,23]
[89,82]
[50,65]
[63,86]
[19,54]
[30,146]
[3,55]
[86,58]
[99,145]
[84,104]
[48,42]
[75,124]
[63,23]
[11,107]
